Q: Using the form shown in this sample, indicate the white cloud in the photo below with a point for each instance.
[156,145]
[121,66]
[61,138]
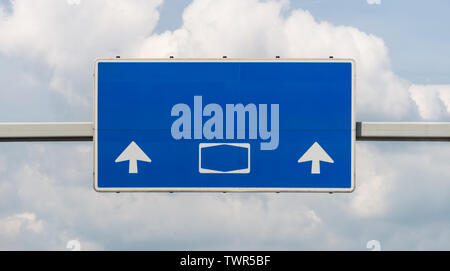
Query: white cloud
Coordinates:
[433,101]
[374,2]
[14,225]
[2,12]
[69,36]
[374,182]
[73,2]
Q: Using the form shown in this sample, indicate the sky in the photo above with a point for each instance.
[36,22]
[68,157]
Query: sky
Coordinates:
[402,196]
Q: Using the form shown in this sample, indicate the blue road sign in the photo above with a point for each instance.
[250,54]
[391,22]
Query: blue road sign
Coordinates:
[224,125]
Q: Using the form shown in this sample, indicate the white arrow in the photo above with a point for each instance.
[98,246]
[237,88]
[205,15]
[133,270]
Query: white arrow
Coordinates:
[315,154]
[133,153]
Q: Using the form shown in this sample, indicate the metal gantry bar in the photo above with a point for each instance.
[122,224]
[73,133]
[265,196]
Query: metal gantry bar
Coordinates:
[84,131]
[403,131]
[46,131]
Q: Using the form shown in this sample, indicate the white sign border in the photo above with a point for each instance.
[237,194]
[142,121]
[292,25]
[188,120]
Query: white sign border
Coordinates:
[226,189]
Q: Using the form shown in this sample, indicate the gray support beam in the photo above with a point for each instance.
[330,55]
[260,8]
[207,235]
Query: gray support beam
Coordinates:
[365,131]
[403,131]
[46,131]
